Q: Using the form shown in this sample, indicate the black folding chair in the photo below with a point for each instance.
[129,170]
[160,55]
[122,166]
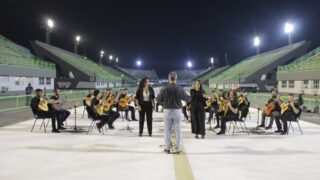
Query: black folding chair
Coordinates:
[94,119]
[43,123]
[290,125]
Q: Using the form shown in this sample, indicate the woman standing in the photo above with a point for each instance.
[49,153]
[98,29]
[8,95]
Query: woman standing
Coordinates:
[145,102]
[198,103]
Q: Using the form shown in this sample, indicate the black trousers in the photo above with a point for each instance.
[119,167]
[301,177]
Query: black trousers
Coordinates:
[244,111]
[132,111]
[285,119]
[198,119]
[184,111]
[211,112]
[104,119]
[226,119]
[62,115]
[49,114]
[146,110]
[113,116]
[219,116]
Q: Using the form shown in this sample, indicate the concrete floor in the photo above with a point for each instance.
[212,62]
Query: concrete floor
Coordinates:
[124,155]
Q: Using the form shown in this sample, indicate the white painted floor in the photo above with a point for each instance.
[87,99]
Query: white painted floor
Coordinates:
[124,155]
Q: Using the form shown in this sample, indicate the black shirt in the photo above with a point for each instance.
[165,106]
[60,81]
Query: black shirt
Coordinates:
[197,97]
[171,96]
[290,113]
[276,104]
[234,104]
[139,95]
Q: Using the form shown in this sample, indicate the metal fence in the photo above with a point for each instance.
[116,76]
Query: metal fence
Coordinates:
[8,103]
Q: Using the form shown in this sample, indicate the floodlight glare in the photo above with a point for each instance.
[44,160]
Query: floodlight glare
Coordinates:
[101,53]
[288,28]
[110,57]
[117,60]
[212,60]
[139,63]
[189,64]
[78,38]
[256,41]
[50,23]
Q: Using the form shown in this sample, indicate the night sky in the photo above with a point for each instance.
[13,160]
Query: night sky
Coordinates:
[163,34]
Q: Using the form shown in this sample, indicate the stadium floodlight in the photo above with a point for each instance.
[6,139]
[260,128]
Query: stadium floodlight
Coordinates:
[101,56]
[289,28]
[189,64]
[212,60]
[256,43]
[110,57]
[138,63]
[76,43]
[50,25]
[117,59]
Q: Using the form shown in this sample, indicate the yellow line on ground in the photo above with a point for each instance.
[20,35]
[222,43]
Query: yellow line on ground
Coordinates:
[182,165]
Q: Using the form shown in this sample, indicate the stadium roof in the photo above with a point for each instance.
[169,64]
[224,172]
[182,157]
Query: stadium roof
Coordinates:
[255,64]
[83,64]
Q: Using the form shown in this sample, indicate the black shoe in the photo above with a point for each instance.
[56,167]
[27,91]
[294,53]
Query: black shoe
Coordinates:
[261,126]
[134,120]
[216,127]
[61,128]
[221,133]
[111,127]
[196,137]
[55,131]
[140,135]
[278,131]
[166,151]
[202,136]
[284,133]
[98,127]
[150,135]
[268,127]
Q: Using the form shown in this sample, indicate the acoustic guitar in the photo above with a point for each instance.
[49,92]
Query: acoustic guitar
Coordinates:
[123,102]
[43,104]
[109,102]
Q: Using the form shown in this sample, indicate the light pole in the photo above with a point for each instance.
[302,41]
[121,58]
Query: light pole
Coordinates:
[256,43]
[101,56]
[288,28]
[76,43]
[50,25]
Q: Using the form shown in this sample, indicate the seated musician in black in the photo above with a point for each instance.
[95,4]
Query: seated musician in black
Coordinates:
[244,105]
[87,101]
[128,107]
[96,100]
[114,115]
[185,109]
[211,108]
[57,103]
[218,107]
[46,112]
[275,113]
[231,112]
[291,113]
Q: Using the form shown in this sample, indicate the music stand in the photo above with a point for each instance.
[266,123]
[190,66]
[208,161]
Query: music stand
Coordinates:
[127,128]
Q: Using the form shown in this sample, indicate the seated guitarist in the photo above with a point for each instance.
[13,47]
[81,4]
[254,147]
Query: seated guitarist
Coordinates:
[290,111]
[244,104]
[124,103]
[111,102]
[231,112]
[42,109]
[272,110]
[96,106]
[87,100]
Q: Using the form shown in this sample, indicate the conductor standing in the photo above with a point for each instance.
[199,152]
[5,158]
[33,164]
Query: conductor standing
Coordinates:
[171,96]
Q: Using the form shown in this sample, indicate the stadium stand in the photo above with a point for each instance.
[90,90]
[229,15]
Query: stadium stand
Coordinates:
[75,71]
[258,71]
[139,74]
[302,75]
[18,67]
[206,75]
[185,76]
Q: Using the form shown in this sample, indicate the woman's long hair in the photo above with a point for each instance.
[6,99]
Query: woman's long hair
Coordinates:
[142,82]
